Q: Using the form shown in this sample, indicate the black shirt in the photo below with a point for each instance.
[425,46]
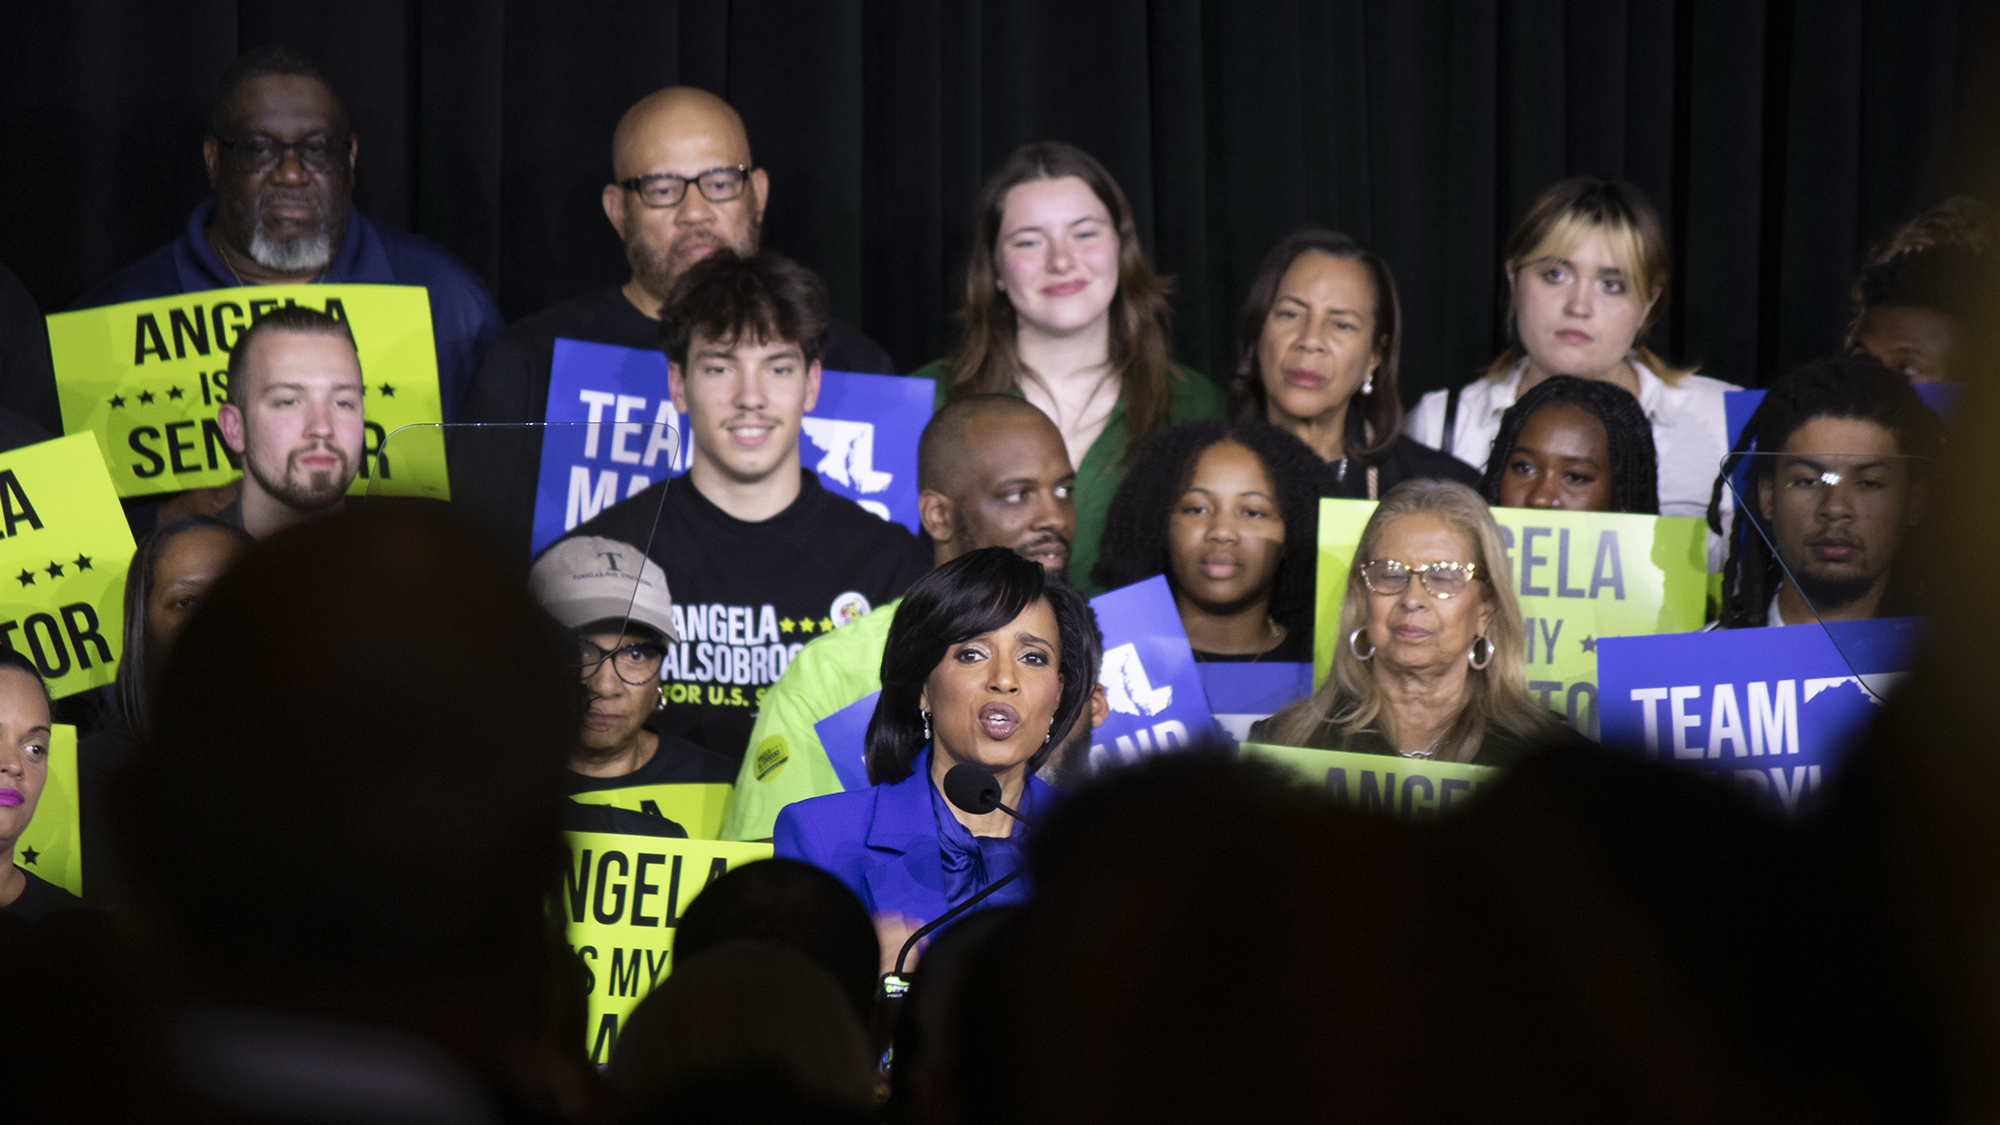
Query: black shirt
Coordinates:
[676,762]
[1498,748]
[39,899]
[1296,648]
[493,474]
[747,596]
[1407,460]
[625,822]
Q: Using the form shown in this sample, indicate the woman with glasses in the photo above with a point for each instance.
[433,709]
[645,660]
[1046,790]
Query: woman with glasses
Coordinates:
[1062,309]
[616,600]
[1430,663]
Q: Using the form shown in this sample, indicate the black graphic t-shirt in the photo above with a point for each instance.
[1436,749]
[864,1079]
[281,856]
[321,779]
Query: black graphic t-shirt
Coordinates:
[748,596]
[493,471]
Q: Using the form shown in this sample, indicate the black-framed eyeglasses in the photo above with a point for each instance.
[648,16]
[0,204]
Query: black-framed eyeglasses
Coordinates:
[637,663]
[260,153]
[1442,579]
[664,189]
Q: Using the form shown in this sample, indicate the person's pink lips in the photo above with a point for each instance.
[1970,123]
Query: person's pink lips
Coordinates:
[1221,566]
[999,720]
[1065,288]
[1573,336]
[1410,632]
[1300,377]
[10,797]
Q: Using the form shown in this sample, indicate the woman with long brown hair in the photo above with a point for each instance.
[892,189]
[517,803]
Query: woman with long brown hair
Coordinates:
[1062,308]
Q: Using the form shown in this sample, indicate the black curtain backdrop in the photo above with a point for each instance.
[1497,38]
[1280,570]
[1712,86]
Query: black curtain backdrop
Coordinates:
[1777,139]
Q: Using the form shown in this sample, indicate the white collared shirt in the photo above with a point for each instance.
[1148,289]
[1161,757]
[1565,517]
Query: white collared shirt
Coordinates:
[1690,431]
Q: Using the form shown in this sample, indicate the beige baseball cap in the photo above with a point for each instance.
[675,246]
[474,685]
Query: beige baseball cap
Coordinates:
[589,578]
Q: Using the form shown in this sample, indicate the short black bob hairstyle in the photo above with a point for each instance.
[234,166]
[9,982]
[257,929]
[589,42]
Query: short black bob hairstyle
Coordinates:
[976,593]
[1635,474]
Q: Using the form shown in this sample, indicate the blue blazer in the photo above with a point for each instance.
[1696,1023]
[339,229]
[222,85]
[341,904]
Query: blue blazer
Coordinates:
[882,843]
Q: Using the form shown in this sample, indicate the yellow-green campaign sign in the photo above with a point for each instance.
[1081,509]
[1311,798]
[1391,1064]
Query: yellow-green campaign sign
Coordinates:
[697,808]
[147,377]
[1411,788]
[622,899]
[1577,575]
[64,547]
[52,847]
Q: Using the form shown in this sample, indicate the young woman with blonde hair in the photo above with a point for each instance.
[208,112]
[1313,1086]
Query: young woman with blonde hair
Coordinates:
[1587,271]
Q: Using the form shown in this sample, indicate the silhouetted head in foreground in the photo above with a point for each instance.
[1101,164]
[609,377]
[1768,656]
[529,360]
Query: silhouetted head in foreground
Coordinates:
[795,905]
[352,807]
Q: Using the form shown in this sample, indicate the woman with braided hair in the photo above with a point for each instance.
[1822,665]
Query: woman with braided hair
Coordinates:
[1835,461]
[1575,444]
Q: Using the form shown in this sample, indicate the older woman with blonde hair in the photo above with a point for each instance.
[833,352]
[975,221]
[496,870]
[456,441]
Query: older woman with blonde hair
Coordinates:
[1431,659]
[1587,272]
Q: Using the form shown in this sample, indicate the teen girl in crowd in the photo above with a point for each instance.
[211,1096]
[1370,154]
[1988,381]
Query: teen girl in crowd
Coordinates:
[1230,514]
[25,727]
[1587,272]
[1575,444]
[1318,344]
[987,664]
[1061,307]
[1431,663]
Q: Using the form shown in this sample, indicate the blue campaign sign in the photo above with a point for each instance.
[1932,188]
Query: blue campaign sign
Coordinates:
[844,735]
[1773,709]
[1241,694]
[860,437]
[1149,676]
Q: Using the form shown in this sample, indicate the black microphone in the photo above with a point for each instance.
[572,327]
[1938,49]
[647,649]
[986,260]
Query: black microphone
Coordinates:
[977,792]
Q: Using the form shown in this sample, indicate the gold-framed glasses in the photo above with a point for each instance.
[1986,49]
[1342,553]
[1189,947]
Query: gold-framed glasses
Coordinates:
[1442,579]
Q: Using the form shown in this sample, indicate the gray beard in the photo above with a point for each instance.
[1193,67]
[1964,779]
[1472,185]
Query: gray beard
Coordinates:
[292,256]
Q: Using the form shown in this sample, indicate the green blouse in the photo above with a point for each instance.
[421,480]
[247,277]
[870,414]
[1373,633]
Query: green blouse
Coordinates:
[1097,479]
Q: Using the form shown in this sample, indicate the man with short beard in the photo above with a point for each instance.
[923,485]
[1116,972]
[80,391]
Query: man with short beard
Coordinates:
[294,415]
[280,156]
[684,185]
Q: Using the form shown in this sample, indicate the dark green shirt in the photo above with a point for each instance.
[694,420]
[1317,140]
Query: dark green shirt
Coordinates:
[1097,479]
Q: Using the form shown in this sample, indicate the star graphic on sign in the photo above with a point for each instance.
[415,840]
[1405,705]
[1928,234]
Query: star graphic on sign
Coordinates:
[1589,644]
[785,623]
[55,569]
[27,577]
[83,562]
[117,401]
[805,626]
[31,855]
[173,392]
[388,391]
[146,396]
[826,624]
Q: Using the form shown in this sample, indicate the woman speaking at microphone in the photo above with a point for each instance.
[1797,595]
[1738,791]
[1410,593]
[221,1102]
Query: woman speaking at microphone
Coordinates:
[986,665]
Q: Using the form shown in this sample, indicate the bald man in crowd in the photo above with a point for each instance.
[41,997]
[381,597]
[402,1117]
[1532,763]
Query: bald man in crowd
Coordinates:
[684,185]
[993,472]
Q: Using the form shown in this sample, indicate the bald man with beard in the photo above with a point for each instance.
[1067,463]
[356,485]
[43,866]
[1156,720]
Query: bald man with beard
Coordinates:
[684,185]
